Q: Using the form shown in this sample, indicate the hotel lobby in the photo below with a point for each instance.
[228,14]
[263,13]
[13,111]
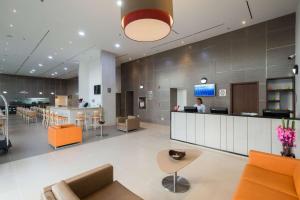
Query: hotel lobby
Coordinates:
[149,100]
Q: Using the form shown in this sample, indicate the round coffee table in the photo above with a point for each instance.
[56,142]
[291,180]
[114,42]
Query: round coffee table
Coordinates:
[175,183]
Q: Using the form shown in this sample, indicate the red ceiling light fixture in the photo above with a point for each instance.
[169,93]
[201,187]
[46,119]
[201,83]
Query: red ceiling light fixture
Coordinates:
[147,20]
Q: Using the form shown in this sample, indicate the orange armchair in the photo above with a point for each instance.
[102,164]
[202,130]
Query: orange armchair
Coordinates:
[269,177]
[64,135]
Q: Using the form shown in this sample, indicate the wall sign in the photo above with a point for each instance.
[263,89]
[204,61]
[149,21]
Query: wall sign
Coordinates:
[222,92]
[142,102]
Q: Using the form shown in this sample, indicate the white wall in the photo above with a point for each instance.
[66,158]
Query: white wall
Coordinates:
[181,98]
[108,65]
[90,74]
[298,60]
[99,68]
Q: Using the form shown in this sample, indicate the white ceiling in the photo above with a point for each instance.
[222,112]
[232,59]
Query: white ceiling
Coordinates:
[60,20]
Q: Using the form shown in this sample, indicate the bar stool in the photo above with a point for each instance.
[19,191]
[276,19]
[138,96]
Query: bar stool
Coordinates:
[81,121]
[95,119]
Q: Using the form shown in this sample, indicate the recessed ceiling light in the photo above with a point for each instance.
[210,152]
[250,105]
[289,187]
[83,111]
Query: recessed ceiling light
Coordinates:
[41,65]
[50,57]
[40,93]
[117,45]
[119,3]
[244,22]
[81,33]
[11,25]
[65,68]
[52,74]
[70,42]
[55,73]
[14,10]
[4,92]
[52,93]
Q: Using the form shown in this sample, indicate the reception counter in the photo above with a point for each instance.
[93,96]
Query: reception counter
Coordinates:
[71,112]
[231,133]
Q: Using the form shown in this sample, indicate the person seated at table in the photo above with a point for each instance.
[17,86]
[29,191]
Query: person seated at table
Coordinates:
[200,106]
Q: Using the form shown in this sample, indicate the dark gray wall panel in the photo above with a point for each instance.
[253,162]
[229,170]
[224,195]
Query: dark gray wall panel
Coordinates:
[250,54]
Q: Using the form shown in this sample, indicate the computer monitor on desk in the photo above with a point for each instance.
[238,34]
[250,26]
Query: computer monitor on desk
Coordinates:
[277,113]
[190,109]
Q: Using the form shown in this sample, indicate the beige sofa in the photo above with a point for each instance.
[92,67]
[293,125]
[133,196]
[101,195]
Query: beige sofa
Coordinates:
[95,184]
[128,123]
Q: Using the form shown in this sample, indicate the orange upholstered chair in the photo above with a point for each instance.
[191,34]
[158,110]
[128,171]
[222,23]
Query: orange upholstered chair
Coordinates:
[269,177]
[64,134]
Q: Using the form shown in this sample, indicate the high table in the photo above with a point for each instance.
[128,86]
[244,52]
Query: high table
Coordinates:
[175,183]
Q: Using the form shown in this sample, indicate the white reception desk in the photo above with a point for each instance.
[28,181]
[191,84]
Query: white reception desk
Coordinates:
[71,112]
[235,134]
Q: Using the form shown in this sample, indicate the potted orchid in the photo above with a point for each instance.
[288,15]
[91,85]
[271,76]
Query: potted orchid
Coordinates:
[287,137]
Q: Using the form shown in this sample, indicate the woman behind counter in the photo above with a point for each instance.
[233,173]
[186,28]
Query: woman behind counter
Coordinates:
[199,105]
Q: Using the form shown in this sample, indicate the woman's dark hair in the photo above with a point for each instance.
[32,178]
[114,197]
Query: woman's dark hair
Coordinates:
[199,99]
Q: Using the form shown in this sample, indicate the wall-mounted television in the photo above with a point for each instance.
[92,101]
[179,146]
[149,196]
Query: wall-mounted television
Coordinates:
[205,90]
[97,89]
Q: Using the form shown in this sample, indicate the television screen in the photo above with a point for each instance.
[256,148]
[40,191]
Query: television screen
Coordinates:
[97,89]
[205,90]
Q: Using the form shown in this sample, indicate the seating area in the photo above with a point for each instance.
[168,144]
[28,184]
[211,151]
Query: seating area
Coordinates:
[149,99]
[127,124]
[92,185]
[268,176]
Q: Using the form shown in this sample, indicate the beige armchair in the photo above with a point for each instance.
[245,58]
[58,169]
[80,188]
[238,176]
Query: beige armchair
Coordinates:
[92,185]
[128,123]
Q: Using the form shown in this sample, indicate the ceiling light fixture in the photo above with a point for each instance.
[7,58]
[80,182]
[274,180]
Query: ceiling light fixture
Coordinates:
[55,73]
[52,93]
[81,33]
[4,92]
[117,45]
[66,69]
[40,93]
[141,86]
[52,74]
[11,25]
[14,10]
[244,22]
[41,65]
[50,57]
[204,80]
[119,3]
[147,21]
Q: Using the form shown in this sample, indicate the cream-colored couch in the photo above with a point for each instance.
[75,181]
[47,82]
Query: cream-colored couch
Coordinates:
[95,184]
[128,123]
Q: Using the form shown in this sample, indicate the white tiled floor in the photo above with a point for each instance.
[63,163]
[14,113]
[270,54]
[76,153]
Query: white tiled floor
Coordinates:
[213,176]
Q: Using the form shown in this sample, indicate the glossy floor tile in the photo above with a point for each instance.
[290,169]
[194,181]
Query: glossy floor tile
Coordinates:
[32,139]
[214,175]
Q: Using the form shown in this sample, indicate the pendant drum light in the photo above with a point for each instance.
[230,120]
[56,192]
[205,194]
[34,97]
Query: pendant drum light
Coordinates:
[147,20]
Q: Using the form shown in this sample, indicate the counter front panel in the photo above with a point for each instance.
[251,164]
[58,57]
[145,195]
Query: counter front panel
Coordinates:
[236,134]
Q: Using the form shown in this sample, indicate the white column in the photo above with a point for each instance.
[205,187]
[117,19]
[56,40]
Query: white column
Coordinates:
[109,82]
[298,60]
[99,68]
